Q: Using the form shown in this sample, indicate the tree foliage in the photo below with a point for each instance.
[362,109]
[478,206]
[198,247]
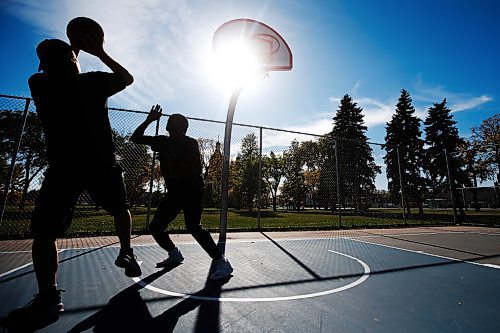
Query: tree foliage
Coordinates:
[405,151]
[485,140]
[213,177]
[136,163]
[356,166]
[294,189]
[441,135]
[272,173]
[30,160]
[246,172]
[444,161]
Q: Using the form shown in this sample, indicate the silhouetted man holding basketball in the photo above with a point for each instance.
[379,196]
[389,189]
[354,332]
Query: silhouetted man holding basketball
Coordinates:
[81,157]
[180,165]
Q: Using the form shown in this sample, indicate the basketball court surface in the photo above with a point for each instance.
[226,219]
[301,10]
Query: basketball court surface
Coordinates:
[443,279]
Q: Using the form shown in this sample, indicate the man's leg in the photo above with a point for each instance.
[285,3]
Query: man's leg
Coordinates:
[47,303]
[123,227]
[45,263]
[52,214]
[126,258]
[51,217]
[192,215]
[193,209]
[107,188]
[166,212]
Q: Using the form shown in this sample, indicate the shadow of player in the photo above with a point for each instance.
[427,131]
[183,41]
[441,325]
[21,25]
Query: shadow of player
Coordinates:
[127,311]
[26,326]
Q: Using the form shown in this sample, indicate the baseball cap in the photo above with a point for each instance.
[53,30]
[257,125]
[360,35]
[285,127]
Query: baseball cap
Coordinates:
[52,49]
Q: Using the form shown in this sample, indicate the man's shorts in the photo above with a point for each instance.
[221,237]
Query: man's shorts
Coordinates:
[60,190]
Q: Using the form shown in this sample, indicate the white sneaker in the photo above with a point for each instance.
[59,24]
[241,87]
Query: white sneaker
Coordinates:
[222,271]
[174,258]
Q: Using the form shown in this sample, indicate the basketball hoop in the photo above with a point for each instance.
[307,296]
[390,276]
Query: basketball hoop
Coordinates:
[271,53]
[266,45]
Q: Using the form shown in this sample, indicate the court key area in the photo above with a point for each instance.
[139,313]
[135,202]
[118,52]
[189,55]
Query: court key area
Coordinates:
[395,280]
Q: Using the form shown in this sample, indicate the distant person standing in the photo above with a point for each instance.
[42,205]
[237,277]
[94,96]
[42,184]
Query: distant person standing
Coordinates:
[180,165]
[81,157]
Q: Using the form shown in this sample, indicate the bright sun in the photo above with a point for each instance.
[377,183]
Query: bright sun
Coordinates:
[232,65]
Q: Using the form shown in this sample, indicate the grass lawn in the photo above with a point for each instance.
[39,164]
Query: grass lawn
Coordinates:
[90,221]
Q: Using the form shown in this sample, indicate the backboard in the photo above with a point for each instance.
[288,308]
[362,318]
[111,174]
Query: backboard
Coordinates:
[270,50]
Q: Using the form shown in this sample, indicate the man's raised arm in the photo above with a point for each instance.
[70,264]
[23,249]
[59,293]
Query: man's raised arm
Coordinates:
[138,135]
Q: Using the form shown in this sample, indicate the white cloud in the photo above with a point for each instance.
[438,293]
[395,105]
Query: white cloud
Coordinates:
[319,126]
[425,96]
[471,103]
[354,90]
[376,112]
[278,141]
[159,42]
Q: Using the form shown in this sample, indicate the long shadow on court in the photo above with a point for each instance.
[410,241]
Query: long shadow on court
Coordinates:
[423,243]
[128,312]
[294,258]
[61,261]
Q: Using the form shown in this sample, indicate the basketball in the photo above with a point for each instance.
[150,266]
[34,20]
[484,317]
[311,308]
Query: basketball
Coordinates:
[80,28]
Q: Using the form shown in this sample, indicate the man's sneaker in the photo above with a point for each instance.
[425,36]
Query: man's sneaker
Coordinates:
[43,307]
[222,271]
[129,262]
[174,258]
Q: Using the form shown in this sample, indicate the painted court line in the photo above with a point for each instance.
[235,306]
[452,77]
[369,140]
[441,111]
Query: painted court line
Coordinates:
[15,252]
[428,254]
[362,279]
[196,243]
[446,233]
[427,233]
[16,269]
[22,266]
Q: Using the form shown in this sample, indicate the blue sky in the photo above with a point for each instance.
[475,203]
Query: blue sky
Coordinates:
[368,49]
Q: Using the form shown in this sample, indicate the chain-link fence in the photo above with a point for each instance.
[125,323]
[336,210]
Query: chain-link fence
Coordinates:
[279,180]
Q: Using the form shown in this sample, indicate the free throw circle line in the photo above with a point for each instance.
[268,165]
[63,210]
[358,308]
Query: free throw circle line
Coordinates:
[362,279]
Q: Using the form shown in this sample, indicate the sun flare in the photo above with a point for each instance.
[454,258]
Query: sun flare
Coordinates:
[233,64]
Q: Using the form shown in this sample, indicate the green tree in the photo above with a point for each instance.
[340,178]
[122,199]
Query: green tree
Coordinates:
[442,155]
[471,168]
[213,177]
[294,189]
[247,171]
[136,163]
[312,160]
[403,134]
[207,148]
[356,165]
[30,160]
[327,187]
[486,142]
[311,182]
[272,173]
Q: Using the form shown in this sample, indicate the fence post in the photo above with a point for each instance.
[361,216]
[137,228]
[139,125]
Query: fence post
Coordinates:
[401,185]
[451,186]
[338,182]
[260,179]
[151,179]
[17,146]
